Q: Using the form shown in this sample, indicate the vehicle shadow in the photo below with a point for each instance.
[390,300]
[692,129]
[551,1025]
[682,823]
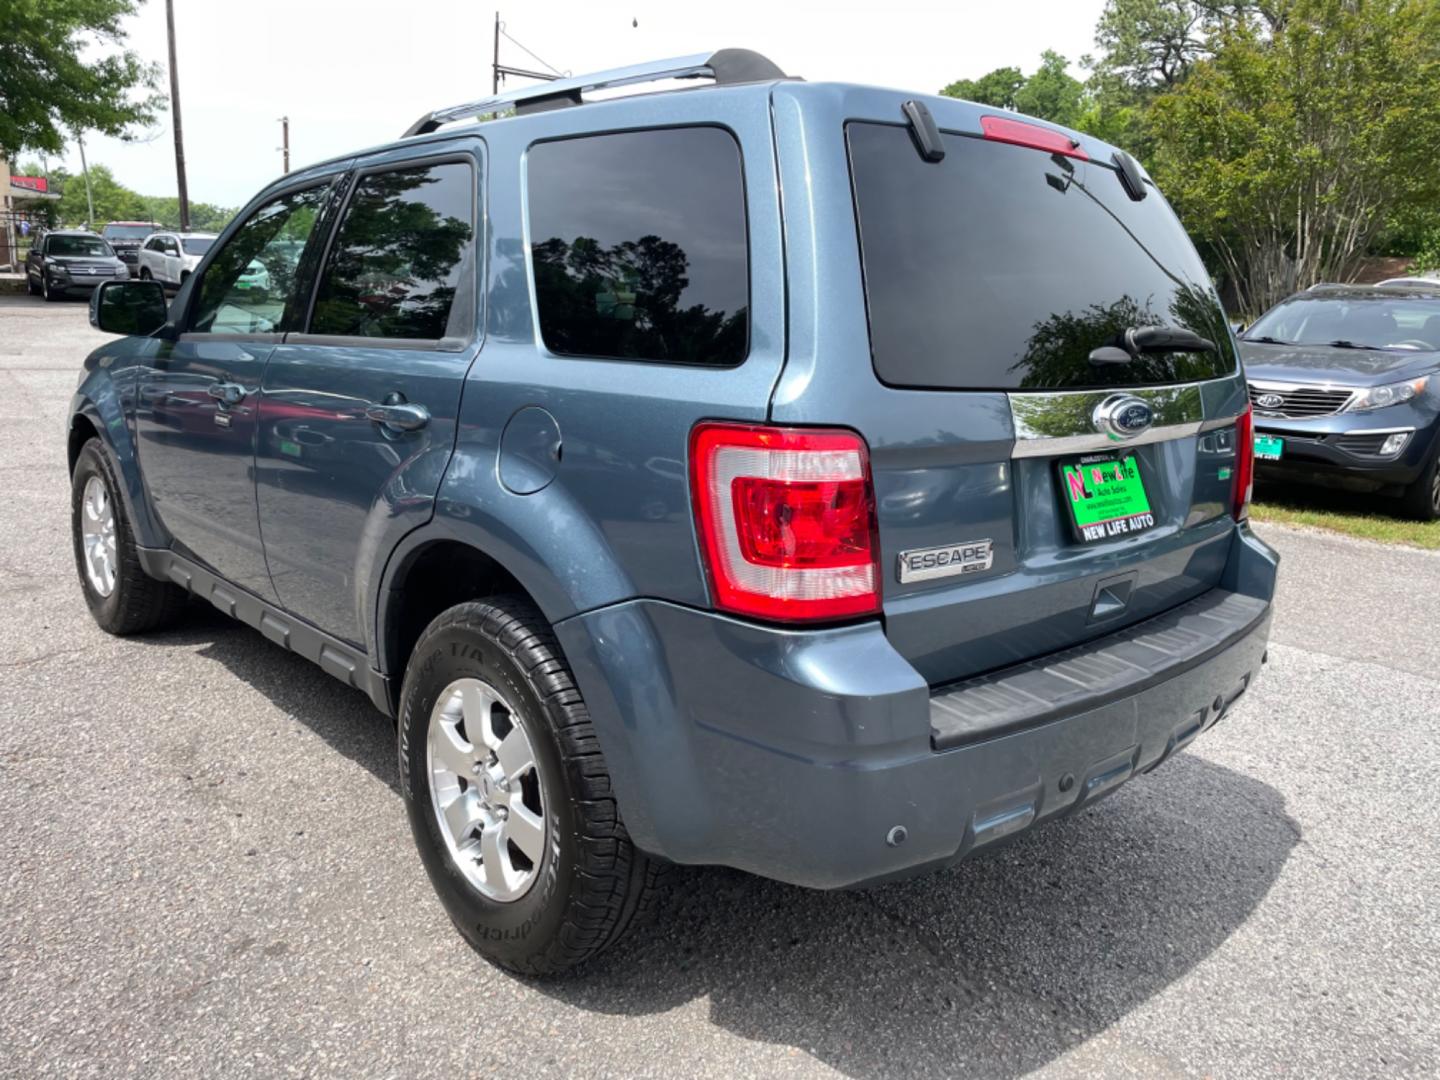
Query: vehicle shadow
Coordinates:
[993,968]
[343,717]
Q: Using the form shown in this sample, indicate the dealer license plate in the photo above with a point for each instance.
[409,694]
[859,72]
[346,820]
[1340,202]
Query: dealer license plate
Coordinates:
[1106,497]
[1269,447]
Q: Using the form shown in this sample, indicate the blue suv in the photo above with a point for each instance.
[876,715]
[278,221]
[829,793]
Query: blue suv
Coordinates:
[817,480]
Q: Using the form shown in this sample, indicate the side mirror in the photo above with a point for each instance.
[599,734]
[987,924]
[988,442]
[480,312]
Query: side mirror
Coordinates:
[128,307]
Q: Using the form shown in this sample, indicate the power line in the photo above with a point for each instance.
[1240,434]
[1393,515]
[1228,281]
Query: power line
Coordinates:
[528,52]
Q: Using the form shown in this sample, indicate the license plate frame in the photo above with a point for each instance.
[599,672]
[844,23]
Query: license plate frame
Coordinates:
[1121,504]
[1271,442]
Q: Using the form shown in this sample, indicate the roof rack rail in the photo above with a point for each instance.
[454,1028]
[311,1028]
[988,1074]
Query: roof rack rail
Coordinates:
[726,66]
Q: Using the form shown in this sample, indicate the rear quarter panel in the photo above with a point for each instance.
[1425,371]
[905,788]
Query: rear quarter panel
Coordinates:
[615,521]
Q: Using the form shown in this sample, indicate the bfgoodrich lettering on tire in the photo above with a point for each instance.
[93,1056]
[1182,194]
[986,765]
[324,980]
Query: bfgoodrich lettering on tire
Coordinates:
[507,792]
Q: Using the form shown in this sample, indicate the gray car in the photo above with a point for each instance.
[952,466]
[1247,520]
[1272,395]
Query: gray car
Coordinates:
[71,263]
[1345,380]
[823,481]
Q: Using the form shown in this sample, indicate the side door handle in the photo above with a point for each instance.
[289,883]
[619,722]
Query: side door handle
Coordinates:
[399,417]
[227,393]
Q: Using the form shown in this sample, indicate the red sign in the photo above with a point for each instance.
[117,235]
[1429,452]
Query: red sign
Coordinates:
[33,183]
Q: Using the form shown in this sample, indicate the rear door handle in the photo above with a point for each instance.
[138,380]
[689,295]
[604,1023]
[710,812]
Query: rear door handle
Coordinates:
[227,393]
[399,417]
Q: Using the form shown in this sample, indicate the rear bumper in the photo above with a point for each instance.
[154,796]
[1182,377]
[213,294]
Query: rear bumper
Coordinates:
[806,756]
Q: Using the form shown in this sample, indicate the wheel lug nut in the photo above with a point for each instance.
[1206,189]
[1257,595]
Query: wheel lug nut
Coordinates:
[502,812]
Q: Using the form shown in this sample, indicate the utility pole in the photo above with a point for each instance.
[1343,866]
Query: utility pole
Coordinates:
[85,172]
[175,118]
[285,140]
[495,61]
[498,70]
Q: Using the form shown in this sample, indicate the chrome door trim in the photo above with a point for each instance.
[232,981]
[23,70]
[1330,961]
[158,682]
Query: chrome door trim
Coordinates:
[1062,422]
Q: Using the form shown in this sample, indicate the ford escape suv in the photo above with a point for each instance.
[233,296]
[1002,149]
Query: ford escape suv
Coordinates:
[816,480]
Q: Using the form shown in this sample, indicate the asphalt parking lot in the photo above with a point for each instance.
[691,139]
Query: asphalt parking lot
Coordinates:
[205,867]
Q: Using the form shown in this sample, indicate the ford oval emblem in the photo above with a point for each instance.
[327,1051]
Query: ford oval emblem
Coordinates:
[1123,416]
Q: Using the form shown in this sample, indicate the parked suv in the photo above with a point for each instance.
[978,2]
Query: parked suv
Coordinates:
[834,544]
[126,237]
[170,257]
[70,262]
[1345,380]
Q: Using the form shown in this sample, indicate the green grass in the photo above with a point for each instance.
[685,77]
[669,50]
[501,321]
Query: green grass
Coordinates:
[1370,517]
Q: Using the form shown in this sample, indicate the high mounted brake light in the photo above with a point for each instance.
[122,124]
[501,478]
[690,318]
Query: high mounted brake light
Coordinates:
[787,521]
[1244,463]
[1019,133]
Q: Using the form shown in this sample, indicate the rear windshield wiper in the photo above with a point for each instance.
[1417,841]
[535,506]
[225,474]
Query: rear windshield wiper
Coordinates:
[1162,339]
[1138,340]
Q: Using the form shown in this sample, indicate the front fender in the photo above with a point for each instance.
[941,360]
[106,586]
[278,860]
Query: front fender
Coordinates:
[106,397]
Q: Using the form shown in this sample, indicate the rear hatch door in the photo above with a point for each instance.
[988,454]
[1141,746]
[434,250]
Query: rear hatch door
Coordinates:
[1041,478]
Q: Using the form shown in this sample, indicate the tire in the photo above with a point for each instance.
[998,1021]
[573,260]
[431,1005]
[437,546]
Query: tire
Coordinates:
[30,285]
[589,882]
[145,274]
[135,602]
[50,297]
[1422,498]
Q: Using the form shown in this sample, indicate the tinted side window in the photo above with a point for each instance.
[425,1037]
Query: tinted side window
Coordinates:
[402,252]
[639,248]
[272,239]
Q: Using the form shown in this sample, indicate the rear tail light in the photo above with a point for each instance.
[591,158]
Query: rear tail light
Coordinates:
[787,521]
[1244,463]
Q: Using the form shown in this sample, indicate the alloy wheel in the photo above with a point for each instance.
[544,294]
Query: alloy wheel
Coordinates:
[486,789]
[97,534]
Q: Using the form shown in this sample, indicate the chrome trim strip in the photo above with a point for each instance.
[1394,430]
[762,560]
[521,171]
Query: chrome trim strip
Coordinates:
[1285,387]
[1375,431]
[1062,422]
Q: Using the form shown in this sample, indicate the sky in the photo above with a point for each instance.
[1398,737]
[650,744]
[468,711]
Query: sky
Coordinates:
[353,73]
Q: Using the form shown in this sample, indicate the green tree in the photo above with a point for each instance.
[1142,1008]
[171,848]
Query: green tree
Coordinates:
[1049,94]
[48,86]
[1150,45]
[1288,151]
[997,88]
[113,200]
[204,217]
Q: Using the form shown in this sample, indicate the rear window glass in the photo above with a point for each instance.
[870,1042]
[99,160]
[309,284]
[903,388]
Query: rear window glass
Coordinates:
[1378,322]
[638,246]
[1002,268]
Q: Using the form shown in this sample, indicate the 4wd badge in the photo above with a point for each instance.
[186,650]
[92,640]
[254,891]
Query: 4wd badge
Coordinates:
[971,557]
